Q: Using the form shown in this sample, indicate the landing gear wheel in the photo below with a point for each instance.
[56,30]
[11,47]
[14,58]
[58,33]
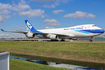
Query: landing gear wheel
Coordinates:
[53,40]
[62,40]
[90,40]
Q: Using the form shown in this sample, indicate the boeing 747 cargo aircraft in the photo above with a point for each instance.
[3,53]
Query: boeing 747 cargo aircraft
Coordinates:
[80,31]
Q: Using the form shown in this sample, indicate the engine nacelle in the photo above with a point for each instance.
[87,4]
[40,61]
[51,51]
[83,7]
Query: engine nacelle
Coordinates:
[30,35]
[51,36]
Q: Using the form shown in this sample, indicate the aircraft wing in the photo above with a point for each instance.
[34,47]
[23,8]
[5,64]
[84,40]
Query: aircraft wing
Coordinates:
[60,35]
[25,32]
[14,31]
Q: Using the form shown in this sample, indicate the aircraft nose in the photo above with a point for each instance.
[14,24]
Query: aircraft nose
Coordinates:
[102,31]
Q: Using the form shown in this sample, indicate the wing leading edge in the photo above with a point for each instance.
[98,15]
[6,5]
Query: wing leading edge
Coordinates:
[14,31]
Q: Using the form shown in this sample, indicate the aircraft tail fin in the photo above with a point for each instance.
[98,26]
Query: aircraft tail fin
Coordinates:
[30,27]
[27,29]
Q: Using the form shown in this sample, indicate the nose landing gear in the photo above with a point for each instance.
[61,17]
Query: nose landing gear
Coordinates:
[91,39]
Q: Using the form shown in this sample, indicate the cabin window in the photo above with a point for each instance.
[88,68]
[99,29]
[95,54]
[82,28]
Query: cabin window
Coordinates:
[93,25]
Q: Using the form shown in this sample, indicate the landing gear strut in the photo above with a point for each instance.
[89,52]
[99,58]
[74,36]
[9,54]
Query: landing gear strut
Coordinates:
[91,39]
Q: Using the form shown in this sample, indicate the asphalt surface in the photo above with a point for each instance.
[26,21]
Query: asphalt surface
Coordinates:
[49,40]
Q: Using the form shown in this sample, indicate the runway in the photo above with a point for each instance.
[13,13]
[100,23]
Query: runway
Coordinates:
[49,40]
[32,39]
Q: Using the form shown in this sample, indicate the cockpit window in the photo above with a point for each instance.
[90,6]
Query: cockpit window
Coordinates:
[93,25]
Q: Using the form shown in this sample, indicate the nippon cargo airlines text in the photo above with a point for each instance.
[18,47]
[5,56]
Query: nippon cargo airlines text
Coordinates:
[72,28]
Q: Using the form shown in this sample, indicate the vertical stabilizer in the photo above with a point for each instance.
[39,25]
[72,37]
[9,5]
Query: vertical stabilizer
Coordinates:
[30,27]
[27,29]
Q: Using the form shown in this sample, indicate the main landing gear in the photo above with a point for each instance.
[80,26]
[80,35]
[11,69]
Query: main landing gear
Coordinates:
[54,40]
[62,39]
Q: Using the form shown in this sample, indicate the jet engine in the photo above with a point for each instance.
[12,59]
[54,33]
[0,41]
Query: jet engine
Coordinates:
[51,36]
[30,35]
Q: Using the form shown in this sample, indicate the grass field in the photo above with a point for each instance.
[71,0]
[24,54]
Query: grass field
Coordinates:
[86,54]
[24,65]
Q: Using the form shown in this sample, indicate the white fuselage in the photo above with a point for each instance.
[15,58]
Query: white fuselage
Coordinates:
[89,30]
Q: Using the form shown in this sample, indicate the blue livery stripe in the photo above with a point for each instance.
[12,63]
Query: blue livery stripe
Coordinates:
[94,31]
[91,31]
[82,31]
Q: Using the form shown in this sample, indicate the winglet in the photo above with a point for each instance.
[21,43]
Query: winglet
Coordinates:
[2,30]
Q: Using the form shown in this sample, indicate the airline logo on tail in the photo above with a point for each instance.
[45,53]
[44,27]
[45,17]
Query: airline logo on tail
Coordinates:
[29,25]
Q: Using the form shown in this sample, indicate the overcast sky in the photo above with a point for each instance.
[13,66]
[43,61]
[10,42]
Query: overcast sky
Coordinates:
[49,14]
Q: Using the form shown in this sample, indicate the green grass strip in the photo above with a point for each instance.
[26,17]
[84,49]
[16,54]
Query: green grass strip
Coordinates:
[84,54]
